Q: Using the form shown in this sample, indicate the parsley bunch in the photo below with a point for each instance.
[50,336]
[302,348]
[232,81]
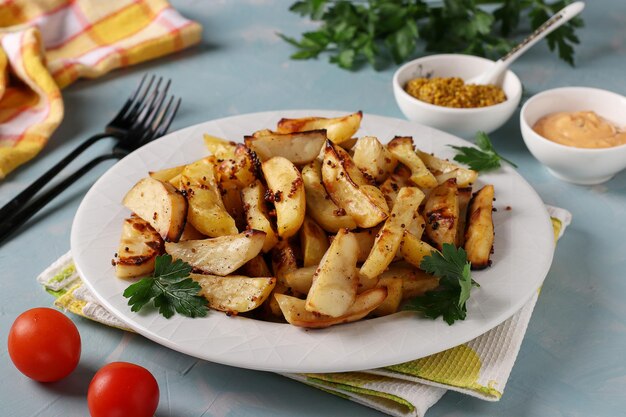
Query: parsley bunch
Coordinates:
[455,285]
[485,158]
[377,31]
[170,289]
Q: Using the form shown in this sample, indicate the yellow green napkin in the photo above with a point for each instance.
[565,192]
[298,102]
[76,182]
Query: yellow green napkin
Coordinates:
[480,367]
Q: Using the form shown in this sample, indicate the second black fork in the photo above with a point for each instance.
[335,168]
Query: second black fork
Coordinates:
[141,99]
[152,122]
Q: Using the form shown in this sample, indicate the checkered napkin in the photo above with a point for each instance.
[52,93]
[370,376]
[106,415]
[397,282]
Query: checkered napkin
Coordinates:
[47,44]
[479,368]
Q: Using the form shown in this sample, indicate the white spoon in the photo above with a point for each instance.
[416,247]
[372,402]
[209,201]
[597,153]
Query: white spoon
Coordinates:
[493,75]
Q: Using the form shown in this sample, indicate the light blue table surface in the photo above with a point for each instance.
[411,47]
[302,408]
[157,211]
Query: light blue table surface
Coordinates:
[573,359]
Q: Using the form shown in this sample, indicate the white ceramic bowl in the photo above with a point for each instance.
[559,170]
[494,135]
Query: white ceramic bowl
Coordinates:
[577,165]
[461,122]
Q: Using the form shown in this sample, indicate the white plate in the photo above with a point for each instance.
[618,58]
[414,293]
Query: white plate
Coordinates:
[523,253]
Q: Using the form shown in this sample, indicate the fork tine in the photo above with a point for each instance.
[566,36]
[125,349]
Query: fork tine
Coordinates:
[129,101]
[135,111]
[146,104]
[156,108]
[165,125]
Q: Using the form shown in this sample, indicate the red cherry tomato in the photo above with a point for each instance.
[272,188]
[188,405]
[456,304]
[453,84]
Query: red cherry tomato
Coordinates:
[123,389]
[44,344]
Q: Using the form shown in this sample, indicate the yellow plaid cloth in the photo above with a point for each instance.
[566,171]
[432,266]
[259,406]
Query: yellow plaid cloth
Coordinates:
[47,44]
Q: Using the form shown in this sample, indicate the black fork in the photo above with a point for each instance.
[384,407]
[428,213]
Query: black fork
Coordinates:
[117,128]
[153,120]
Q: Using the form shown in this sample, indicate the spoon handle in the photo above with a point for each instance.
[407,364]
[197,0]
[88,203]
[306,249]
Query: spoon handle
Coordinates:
[561,17]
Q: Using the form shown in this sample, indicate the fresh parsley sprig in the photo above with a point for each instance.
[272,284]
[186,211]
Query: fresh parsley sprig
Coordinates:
[483,159]
[377,31]
[170,289]
[455,284]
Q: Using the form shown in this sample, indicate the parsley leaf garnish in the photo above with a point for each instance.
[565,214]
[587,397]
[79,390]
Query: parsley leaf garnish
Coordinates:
[170,289]
[455,284]
[483,159]
[354,33]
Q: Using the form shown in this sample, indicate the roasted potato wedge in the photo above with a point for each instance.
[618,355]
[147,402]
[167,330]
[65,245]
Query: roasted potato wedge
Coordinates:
[239,171]
[480,231]
[371,157]
[191,233]
[165,175]
[220,148]
[313,242]
[464,196]
[206,208]
[413,250]
[283,260]
[338,129]
[394,296]
[300,147]
[296,314]
[365,204]
[441,212]
[414,281]
[300,279]
[256,267]
[318,203]
[160,204]
[234,293]
[287,191]
[393,184]
[220,255]
[335,281]
[464,177]
[402,149]
[139,246]
[365,240]
[389,237]
[256,213]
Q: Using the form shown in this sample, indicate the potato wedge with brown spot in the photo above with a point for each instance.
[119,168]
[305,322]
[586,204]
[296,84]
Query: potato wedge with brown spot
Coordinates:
[442,169]
[139,246]
[220,255]
[220,148]
[441,213]
[256,213]
[338,129]
[402,149]
[167,174]
[300,279]
[371,157]
[335,282]
[313,242]
[256,267]
[319,205]
[394,296]
[349,190]
[413,250]
[159,204]
[296,314]
[286,186]
[389,237]
[464,196]
[415,282]
[300,148]
[234,293]
[480,232]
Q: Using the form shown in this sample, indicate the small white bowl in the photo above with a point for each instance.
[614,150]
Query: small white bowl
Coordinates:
[461,122]
[577,165]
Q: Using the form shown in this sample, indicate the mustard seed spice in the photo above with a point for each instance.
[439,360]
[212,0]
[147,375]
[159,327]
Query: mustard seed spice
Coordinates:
[453,92]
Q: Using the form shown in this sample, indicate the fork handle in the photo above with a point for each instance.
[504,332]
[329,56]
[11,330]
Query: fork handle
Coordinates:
[11,208]
[11,224]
